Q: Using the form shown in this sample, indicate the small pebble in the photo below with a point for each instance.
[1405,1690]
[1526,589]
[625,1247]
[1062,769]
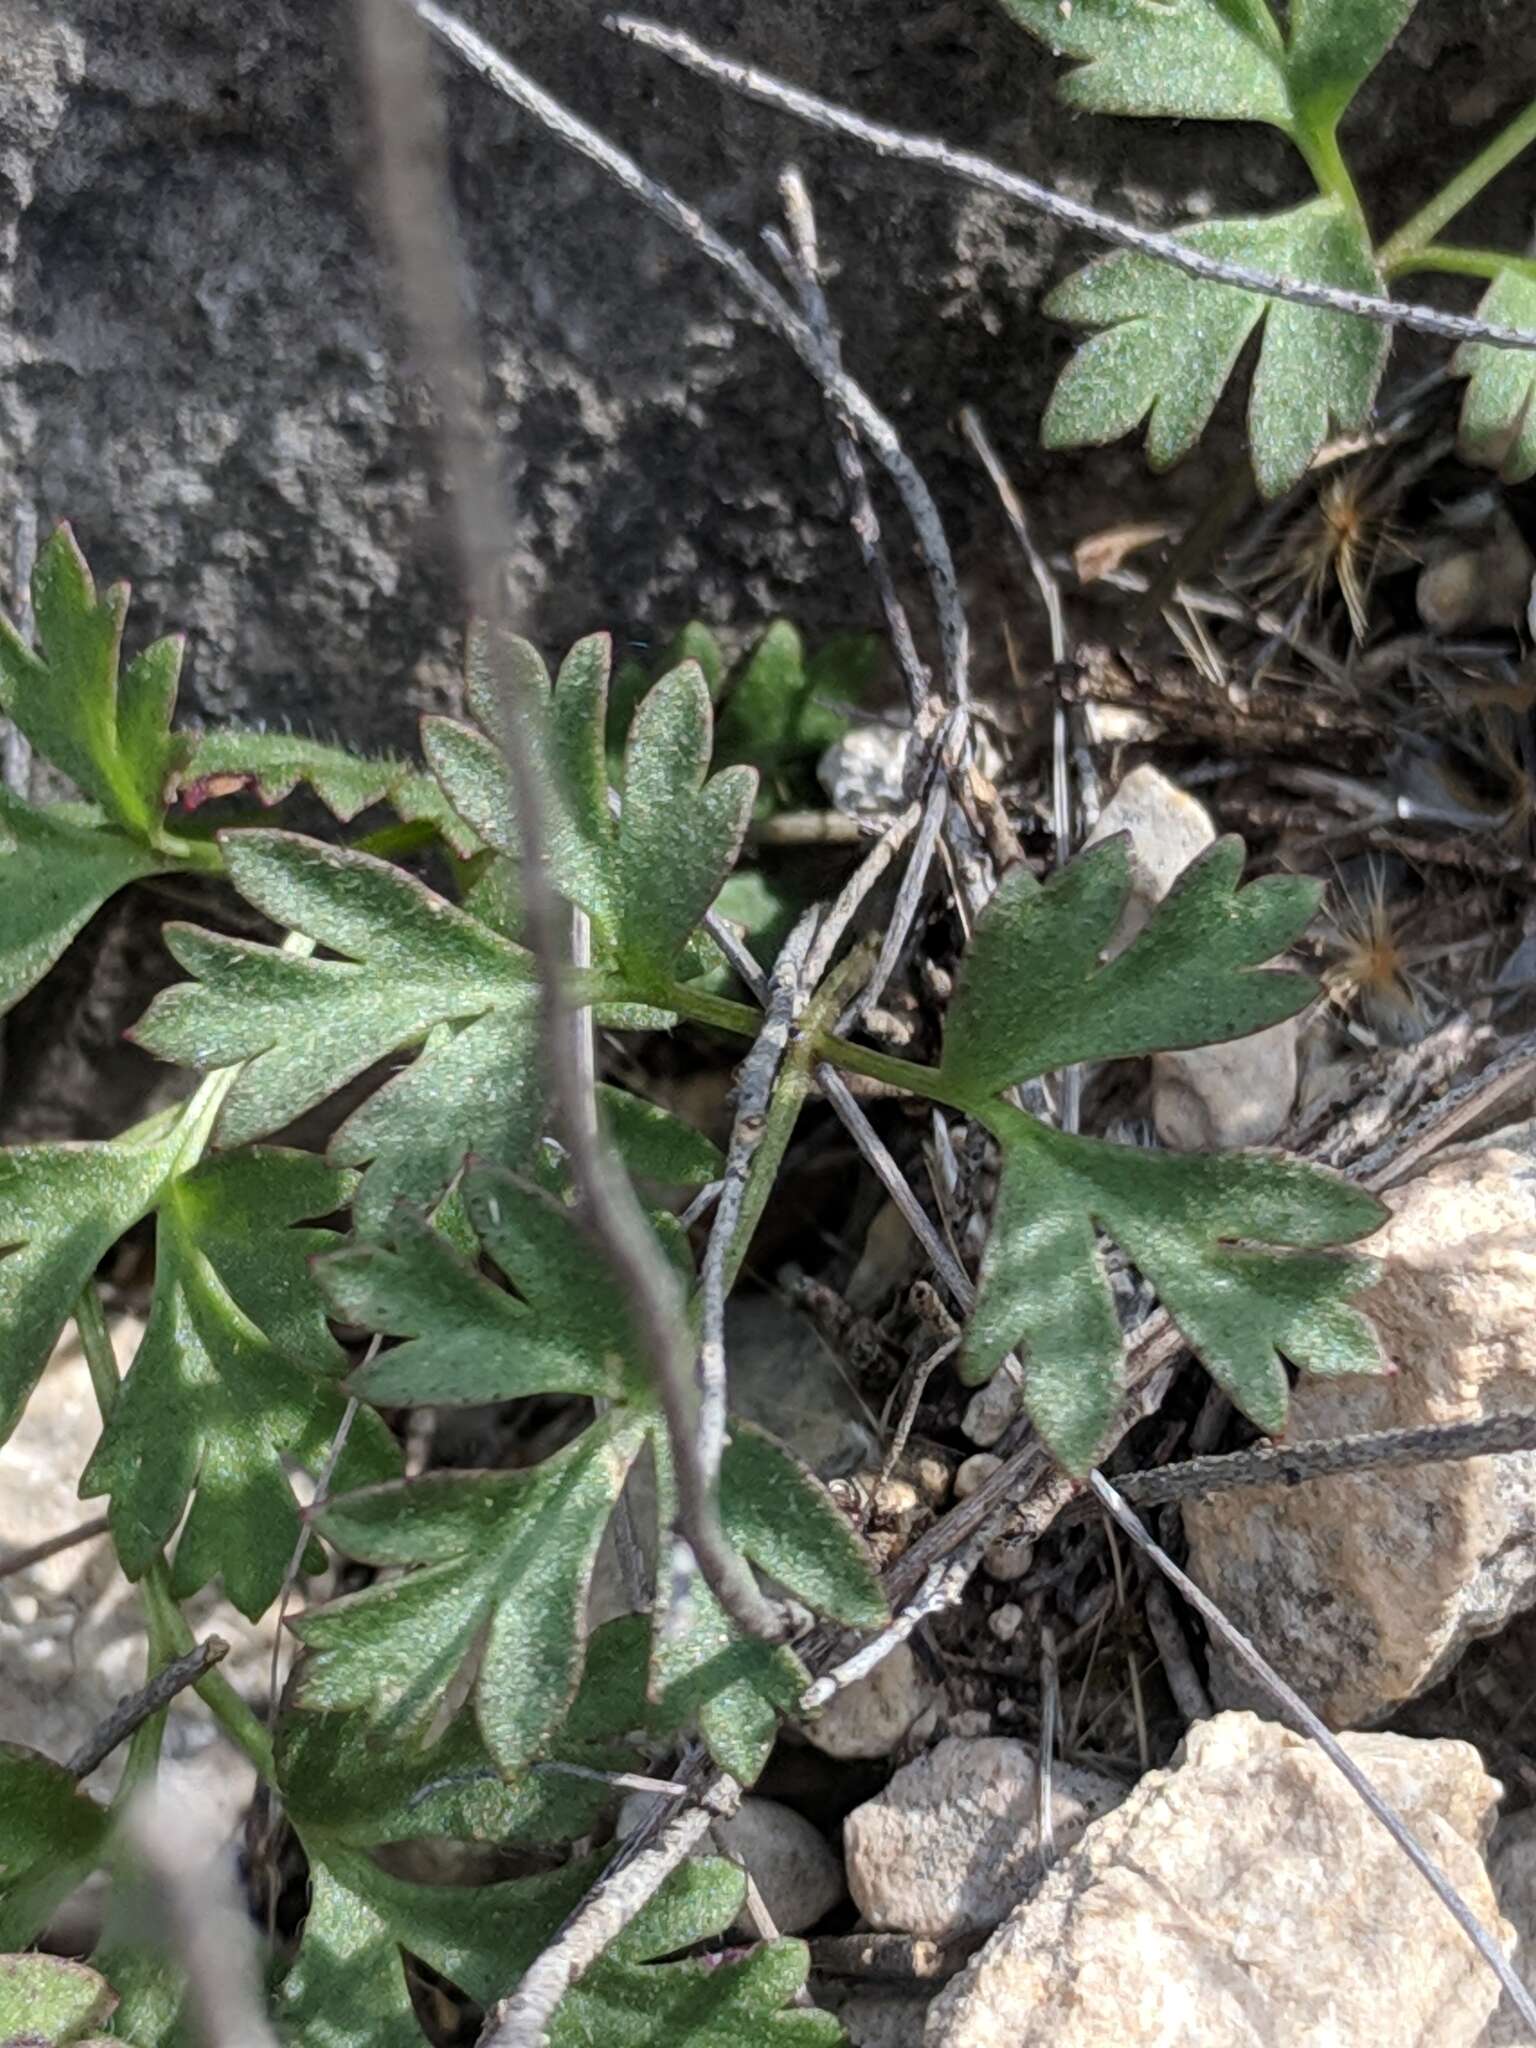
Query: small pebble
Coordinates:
[1006,1621]
[1010,1559]
[975,1473]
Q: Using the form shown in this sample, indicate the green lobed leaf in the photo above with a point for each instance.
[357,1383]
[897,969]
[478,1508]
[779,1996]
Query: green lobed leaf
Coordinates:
[109,734]
[52,1836]
[55,874]
[1234,1245]
[468,1340]
[347,1986]
[337,1778]
[62,1208]
[274,764]
[1035,990]
[507,1559]
[1498,411]
[1219,60]
[654,1144]
[1334,47]
[1216,60]
[679,834]
[1170,342]
[235,1374]
[48,2002]
[305,1027]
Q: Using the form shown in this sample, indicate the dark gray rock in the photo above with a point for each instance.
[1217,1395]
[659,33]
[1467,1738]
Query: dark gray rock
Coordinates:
[197,357]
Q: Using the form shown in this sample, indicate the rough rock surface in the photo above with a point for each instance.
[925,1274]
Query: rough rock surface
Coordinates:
[71,1629]
[950,1846]
[1512,1866]
[876,2015]
[197,353]
[1364,1590]
[1168,829]
[1245,1898]
[798,1875]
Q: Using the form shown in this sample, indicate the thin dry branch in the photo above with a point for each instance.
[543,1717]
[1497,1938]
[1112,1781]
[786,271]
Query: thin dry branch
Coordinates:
[38,1553]
[521,2020]
[418,216]
[1296,1707]
[899,144]
[155,1694]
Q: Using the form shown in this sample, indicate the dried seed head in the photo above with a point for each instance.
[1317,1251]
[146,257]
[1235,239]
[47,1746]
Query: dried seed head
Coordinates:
[1370,972]
[1338,540]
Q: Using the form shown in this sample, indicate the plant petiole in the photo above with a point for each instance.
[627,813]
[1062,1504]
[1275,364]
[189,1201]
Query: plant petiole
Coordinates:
[1419,232]
[1447,258]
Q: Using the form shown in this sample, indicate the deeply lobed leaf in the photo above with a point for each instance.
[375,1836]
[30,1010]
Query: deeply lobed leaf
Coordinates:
[62,1208]
[56,871]
[236,1373]
[1170,342]
[1036,990]
[1234,1244]
[52,1835]
[109,734]
[1217,60]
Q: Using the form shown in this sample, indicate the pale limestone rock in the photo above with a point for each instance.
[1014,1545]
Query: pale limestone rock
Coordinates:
[950,1846]
[1168,829]
[1485,584]
[1218,1097]
[1512,1866]
[875,1716]
[1365,1589]
[797,1873]
[994,1407]
[1246,1898]
[72,1628]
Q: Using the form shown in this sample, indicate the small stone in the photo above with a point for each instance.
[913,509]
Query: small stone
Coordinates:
[974,1474]
[862,773]
[1168,829]
[968,1722]
[874,1716]
[993,1408]
[950,1846]
[932,1476]
[1488,584]
[1365,1588]
[1010,1559]
[800,1878]
[1006,1621]
[1215,1098]
[1247,1898]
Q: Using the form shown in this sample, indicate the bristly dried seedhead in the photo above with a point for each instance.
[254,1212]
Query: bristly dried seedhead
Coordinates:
[1338,541]
[1371,971]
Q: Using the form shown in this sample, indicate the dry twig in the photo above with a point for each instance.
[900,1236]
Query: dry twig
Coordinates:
[896,143]
[133,1712]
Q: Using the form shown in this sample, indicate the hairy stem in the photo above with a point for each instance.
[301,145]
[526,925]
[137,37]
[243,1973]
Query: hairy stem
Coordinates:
[1421,230]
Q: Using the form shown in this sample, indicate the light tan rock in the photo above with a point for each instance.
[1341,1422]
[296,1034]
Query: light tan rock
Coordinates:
[1212,1098]
[1365,1589]
[1245,1898]
[876,2015]
[790,1861]
[951,1845]
[1218,1097]
[875,1716]
[1512,1866]
[71,1627]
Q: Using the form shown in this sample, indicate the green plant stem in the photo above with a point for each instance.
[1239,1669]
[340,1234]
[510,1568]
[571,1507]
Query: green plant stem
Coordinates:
[1421,230]
[96,1343]
[1455,262]
[741,1021]
[1325,160]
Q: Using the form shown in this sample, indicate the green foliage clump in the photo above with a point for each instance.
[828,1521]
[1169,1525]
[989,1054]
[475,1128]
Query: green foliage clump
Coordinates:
[462,1692]
[1168,342]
